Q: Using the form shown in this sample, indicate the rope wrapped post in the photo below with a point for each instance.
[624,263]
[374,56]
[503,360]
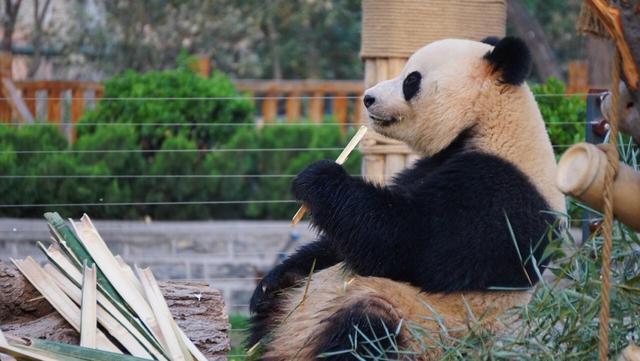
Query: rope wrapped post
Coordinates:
[391,31]
[607,224]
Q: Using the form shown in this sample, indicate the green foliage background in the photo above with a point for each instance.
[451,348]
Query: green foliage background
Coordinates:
[564,116]
[132,117]
[146,115]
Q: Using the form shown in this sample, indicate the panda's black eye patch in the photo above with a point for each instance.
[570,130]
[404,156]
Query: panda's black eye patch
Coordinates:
[411,85]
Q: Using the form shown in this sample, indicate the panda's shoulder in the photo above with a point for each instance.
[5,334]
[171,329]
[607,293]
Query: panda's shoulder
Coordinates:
[470,172]
[473,163]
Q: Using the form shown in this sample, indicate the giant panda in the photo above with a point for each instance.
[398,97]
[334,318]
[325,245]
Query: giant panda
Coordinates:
[458,237]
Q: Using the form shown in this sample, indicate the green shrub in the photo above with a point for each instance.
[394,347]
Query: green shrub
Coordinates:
[114,190]
[283,163]
[161,97]
[564,116]
[189,134]
[35,187]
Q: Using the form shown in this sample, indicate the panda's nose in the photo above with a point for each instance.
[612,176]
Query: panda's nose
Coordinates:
[368,100]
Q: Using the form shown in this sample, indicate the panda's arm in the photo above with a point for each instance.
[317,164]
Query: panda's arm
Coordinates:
[314,256]
[364,223]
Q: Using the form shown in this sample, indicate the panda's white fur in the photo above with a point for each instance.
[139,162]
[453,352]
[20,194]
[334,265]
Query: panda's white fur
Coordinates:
[459,90]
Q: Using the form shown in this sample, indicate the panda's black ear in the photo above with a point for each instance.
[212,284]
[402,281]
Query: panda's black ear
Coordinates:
[491,40]
[512,58]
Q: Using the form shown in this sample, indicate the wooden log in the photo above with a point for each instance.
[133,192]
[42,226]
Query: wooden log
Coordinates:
[197,308]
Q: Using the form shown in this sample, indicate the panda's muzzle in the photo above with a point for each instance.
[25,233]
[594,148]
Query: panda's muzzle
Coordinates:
[383,122]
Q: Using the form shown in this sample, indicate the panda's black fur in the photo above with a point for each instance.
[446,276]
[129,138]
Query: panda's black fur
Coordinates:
[511,57]
[461,220]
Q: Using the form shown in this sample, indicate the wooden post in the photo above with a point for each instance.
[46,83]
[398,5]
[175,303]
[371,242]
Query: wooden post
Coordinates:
[201,65]
[77,109]
[293,107]
[270,107]
[340,110]
[384,54]
[384,157]
[578,77]
[29,97]
[316,107]
[53,105]
[6,59]
[358,107]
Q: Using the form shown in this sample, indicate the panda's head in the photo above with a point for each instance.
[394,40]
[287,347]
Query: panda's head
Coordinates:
[450,86]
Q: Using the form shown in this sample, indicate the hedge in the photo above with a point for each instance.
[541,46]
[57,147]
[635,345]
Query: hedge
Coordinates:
[205,175]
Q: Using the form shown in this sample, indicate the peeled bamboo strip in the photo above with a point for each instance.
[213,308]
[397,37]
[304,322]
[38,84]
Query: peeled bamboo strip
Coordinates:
[108,321]
[195,352]
[88,322]
[120,314]
[163,317]
[129,273]
[109,266]
[58,299]
[3,340]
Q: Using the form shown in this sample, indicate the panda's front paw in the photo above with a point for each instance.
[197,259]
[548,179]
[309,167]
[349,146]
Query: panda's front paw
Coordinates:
[317,179]
[267,290]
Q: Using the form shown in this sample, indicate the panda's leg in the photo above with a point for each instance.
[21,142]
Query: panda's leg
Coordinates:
[365,329]
[265,305]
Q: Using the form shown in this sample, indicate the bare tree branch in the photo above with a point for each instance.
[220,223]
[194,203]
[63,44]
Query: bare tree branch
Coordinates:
[38,20]
[9,23]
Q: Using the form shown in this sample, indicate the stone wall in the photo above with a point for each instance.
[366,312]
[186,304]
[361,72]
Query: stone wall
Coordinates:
[227,254]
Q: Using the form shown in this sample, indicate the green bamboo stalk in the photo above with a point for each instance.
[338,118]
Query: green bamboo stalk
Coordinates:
[63,351]
[121,307]
[79,252]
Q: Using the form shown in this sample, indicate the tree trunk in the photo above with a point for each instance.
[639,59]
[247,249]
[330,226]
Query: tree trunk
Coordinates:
[39,14]
[197,308]
[9,23]
[599,56]
[529,29]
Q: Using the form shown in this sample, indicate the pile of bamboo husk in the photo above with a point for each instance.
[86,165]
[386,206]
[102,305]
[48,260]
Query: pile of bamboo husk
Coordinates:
[119,312]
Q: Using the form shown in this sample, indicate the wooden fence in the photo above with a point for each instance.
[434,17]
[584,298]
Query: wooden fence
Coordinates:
[55,101]
[64,102]
[311,99]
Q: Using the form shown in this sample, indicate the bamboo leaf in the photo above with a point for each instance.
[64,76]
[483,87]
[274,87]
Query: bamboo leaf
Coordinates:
[78,352]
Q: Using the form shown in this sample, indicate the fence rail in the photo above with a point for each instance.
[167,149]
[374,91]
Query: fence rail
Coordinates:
[64,102]
[306,98]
